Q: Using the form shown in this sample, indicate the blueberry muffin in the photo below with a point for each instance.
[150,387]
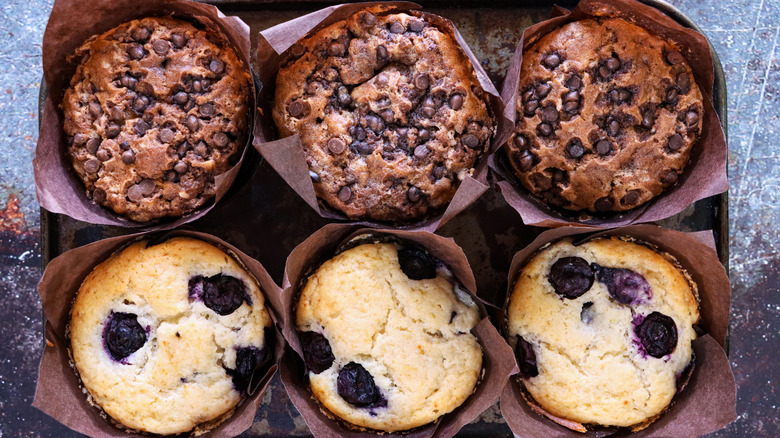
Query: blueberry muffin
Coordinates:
[607,116]
[166,339]
[603,330]
[386,337]
[389,111]
[155,111]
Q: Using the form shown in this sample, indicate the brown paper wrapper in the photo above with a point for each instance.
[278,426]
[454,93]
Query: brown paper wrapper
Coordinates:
[708,402]
[71,23]
[705,174]
[59,392]
[286,155]
[498,359]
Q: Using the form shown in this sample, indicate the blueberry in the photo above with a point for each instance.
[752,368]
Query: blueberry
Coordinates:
[526,358]
[123,335]
[357,387]
[316,351]
[587,313]
[571,277]
[220,293]
[417,264]
[658,334]
[248,359]
[624,285]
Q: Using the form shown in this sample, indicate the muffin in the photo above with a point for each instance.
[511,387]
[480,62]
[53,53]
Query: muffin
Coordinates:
[385,334]
[389,111]
[607,114]
[166,338]
[156,110]
[602,331]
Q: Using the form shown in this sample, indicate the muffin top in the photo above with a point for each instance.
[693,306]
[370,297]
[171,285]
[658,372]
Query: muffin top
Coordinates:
[603,331]
[166,338]
[156,109]
[389,111]
[386,337]
[606,116]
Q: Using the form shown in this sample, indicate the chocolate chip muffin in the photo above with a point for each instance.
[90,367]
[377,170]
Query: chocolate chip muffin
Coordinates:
[385,334]
[389,111]
[166,339]
[156,110]
[607,116]
[603,330]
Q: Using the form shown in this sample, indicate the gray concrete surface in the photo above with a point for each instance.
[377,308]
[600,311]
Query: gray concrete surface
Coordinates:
[744,32]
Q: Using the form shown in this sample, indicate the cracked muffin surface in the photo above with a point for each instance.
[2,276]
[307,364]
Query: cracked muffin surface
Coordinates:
[607,114]
[386,337]
[156,110]
[603,330]
[166,338]
[389,111]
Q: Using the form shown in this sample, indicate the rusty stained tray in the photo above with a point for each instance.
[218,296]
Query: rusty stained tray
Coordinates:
[263,217]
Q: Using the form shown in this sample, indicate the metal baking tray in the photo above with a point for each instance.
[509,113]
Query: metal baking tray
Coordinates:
[266,219]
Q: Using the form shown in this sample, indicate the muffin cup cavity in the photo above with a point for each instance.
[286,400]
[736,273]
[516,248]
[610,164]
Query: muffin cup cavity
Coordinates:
[497,361]
[286,155]
[59,392]
[708,401]
[74,22]
[705,173]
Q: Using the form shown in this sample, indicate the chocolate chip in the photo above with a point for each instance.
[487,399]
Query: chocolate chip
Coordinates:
[95,110]
[381,79]
[103,154]
[470,140]
[140,128]
[551,61]
[630,198]
[140,34]
[135,51]
[574,83]
[178,40]
[439,171]
[416,25]
[92,165]
[220,139]
[397,27]
[128,81]
[201,149]
[422,81]
[428,112]
[113,130]
[520,142]
[161,47]
[92,145]
[612,64]
[99,195]
[542,90]
[363,148]
[193,123]
[216,66]
[337,145]
[526,160]
[181,97]
[456,102]
[575,149]
[368,18]
[165,135]
[336,49]
[613,128]
[424,135]
[79,139]
[572,96]
[691,118]
[387,115]
[571,107]
[116,114]
[139,103]
[541,181]
[603,204]
[670,178]
[345,194]
[549,113]
[414,194]
[544,129]
[314,176]
[375,124]
[675,142]
[648,118]
[197,86]
[382,54]
[128,157]
[344,97]
[183,148]
[672,95]
[421,151]
[298,108]
[674,57]
[172,176]
[571,277]
[207,109]
[604,147]
[658,334]
[181,167]
[683,81]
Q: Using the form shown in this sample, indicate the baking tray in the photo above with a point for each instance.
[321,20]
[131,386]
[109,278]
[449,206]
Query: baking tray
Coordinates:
[265,218]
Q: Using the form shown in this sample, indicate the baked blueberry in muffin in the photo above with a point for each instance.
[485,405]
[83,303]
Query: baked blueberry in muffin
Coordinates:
[602,331]
[167,339]
[156,110]
[385,334]
[607,114]
[389,111]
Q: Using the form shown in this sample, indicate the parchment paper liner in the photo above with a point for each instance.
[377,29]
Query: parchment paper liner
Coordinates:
[58,392]
[286,155]
[71,23]
[705,174]
[498,360]
[708,402]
